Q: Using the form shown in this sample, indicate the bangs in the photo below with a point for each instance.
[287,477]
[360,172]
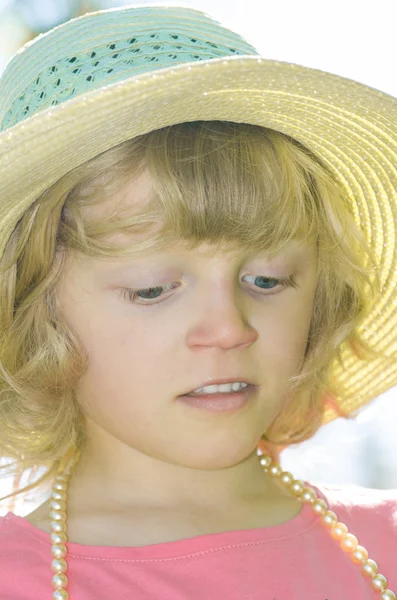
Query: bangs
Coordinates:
[221,183]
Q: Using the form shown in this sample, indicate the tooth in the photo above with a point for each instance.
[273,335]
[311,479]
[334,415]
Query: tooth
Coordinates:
[209,389]
[226,387]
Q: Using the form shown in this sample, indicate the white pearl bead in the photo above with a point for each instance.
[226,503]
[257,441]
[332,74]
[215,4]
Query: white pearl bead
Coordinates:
[56,496]
[360,555]
[379,582]
[319,506]
[266,461]
[60,595]
[370,568]
[59,564]
[58,550]
[57,504]
[58,538]
[388,595]
[60,580]
[59,485]
[286,478]
[297,487]
[330,518]
[349,542]
[338,530]
[57,515]
[308,495]
[275,470]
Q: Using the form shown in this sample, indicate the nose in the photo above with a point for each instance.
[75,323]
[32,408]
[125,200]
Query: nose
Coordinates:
[222,324]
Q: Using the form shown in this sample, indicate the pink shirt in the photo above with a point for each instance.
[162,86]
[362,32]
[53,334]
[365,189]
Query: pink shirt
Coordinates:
[297,560]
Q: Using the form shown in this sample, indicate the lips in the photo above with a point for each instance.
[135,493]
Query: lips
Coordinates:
[221,403]
[200,394]
[220,381]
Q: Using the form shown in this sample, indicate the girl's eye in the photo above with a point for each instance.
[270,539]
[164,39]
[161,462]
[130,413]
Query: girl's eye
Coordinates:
[133,294]
[268,283]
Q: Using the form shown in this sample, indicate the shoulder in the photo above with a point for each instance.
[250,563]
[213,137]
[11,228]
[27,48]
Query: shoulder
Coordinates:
[369,513]
[39,518]
[356,498]
[9,531]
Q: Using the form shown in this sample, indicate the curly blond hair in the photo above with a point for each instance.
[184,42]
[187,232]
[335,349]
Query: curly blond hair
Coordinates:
[214,182]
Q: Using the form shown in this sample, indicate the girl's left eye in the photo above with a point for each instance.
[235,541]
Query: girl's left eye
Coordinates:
[156,292]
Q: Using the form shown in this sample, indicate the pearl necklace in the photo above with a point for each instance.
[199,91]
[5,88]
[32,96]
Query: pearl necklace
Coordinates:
[338,530]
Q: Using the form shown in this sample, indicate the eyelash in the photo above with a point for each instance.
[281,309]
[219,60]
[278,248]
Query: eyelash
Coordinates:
[132,294]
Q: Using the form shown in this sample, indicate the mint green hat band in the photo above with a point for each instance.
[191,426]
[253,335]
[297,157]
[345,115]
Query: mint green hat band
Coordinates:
[98,80]
[106,47]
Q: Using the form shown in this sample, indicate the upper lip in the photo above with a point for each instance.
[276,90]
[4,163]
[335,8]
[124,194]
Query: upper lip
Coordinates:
[219,382]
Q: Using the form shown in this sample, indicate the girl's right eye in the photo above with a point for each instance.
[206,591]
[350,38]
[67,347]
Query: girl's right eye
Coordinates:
[134,294]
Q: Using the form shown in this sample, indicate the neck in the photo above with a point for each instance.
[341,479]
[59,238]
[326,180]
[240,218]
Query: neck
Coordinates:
[108,488]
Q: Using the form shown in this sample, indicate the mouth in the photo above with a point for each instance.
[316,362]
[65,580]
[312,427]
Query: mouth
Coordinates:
[221,402]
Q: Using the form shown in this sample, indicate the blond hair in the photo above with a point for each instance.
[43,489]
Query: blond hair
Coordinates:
[214,182]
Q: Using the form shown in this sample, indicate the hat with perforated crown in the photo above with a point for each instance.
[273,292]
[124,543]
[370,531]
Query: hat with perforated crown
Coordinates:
[108,76]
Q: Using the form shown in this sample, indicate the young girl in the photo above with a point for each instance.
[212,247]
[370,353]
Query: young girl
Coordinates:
[198,269]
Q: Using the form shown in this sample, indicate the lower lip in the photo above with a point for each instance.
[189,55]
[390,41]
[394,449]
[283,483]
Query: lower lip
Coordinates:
[224,403]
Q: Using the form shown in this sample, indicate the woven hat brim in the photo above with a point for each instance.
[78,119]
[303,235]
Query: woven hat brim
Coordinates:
[351,127]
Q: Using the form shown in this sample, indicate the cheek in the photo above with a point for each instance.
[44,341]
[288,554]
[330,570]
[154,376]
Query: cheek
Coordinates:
[127,380]
[284,337]
[126,357]
[118,384]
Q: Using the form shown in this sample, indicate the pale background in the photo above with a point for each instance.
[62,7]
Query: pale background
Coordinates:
[350,38]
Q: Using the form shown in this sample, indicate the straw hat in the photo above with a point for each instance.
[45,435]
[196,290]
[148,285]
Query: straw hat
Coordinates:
[102,78]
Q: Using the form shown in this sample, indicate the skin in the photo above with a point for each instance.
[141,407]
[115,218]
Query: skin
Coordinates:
[148,455]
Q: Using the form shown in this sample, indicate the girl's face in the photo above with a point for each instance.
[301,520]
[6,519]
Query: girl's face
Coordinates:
[213,317]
